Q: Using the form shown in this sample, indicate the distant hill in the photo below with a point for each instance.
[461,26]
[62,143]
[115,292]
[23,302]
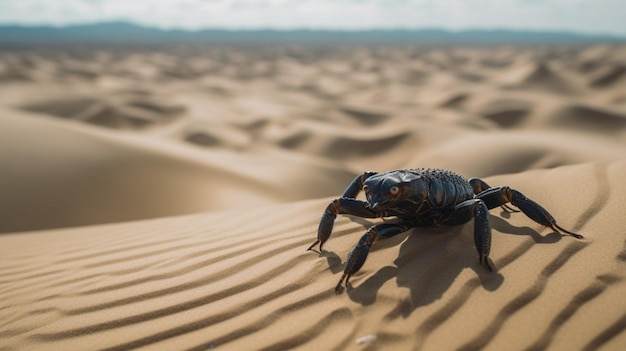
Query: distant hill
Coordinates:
[122,32]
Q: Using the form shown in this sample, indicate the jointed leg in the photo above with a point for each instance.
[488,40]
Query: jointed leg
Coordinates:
[498,196]
[477,210]
[359,253]
[479,186]
[357,184]
[346,204]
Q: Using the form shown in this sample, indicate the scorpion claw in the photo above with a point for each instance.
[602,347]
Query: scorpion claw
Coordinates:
[536,212]
[326,224]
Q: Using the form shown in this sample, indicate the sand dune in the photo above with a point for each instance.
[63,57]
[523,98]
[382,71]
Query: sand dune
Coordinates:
[591,118]
[136,114]
[59,174]
[164,198]
[240,280]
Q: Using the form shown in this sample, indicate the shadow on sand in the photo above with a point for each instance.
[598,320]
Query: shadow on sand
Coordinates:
[431,259]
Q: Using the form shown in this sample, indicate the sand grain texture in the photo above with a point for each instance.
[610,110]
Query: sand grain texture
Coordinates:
[164,198]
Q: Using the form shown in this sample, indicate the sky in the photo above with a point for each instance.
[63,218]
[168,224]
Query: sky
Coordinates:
[580,16]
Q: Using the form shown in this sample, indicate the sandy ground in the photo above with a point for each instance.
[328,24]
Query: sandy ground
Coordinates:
[164,197]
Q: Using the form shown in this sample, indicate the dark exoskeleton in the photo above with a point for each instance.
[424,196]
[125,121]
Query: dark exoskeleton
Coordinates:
[424,198]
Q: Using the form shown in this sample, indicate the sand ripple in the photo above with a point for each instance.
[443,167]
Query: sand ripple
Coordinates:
[212,167]
[244,280]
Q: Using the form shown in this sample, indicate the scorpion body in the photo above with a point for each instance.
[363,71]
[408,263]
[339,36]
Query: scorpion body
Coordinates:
[423,198]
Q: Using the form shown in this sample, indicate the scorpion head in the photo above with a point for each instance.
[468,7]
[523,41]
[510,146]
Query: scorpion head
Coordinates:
[385,192]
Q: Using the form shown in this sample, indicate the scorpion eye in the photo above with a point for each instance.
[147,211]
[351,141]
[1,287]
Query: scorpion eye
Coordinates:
[394,190]
[366,189]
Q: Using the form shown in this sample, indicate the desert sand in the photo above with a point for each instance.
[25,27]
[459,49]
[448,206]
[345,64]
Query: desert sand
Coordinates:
[164,197]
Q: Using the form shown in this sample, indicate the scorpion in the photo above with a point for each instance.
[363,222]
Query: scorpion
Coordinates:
[424,197]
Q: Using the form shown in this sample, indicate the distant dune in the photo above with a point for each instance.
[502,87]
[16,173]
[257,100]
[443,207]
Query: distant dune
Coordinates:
[123,32]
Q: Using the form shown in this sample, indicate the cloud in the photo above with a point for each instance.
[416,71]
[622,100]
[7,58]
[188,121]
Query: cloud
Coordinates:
[599,16]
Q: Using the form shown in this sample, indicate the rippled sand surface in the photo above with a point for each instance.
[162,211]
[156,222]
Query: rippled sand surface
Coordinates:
[164,197]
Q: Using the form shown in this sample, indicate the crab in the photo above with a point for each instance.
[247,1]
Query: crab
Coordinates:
[424,197]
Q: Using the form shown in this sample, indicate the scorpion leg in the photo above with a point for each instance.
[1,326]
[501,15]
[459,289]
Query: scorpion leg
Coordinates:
[478,210]
[357,184]
[497,196]
[335,207]
[359,253]
[344,206]
[479,186]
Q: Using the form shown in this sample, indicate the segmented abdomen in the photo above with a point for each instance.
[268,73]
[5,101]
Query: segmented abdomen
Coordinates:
[446,189]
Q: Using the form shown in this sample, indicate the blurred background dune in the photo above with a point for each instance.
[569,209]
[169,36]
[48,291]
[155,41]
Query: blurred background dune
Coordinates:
[113,111]
[110,132]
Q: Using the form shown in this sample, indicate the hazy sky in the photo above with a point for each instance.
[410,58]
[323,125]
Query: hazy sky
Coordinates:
[585,16]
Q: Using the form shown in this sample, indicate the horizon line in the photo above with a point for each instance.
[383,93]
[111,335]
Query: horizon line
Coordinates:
[315,29]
